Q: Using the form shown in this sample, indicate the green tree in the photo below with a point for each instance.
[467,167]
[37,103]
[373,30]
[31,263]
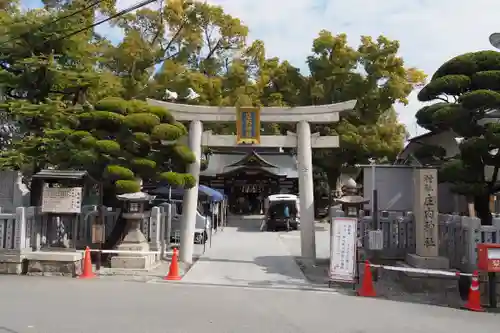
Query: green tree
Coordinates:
[193,42]
[375,76]
[203,48]
[118,142]
[467,93]
[43,64]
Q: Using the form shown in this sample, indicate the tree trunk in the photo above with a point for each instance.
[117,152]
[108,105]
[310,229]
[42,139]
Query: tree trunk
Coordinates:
[36,188]
[333,175]
[482,206]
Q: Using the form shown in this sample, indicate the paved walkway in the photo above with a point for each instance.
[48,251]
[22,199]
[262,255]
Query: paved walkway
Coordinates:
[242,255]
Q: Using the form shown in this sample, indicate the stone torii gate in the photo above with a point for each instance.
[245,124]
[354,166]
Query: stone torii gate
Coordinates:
[304,141]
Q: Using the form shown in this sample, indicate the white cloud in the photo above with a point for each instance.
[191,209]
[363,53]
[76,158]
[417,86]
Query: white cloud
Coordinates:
[430,31]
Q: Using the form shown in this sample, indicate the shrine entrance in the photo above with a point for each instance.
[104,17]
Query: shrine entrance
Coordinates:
[248,121]
[248,178]
[247,189]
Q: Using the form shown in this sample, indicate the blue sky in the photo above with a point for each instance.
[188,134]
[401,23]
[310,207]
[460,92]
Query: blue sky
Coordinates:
[430,31]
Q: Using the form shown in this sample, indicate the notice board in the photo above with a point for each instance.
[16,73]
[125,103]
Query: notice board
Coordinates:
[343,242]
[62,200]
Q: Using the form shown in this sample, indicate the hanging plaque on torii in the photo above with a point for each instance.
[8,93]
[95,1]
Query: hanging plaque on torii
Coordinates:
[248,125]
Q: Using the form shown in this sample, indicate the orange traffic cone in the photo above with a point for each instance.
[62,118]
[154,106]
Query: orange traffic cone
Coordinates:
[173,271]
[474,301]
[87,266]
[367,289]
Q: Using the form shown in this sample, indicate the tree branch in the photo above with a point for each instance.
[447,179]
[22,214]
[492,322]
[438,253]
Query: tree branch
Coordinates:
[212,51]
[172,40]
[493,181]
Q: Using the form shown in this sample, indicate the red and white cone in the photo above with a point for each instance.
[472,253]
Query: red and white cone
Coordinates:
[474,301]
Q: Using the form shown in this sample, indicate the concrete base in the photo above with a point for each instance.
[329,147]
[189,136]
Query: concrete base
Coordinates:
[11,262]
[54,263]
[142,262]
[132,260]
[418,282]
[417,261]
[41,263]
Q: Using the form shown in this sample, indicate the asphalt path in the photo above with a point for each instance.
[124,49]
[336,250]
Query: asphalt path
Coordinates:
[64,305]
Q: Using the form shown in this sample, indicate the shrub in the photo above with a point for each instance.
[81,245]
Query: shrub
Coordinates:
[166,132]
[107,146]
[141,122]
[116,172]
[173,179]
[127,186]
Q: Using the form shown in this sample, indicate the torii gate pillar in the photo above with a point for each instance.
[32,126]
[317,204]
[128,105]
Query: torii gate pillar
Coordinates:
[304,141]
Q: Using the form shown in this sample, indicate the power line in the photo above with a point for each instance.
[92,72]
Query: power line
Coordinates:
[40,28]
[120,13]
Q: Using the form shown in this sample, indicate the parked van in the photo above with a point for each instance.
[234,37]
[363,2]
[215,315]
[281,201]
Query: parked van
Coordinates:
[203,223]
[282,212]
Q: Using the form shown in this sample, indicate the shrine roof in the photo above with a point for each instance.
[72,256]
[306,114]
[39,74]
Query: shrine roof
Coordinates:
[281,164]
[60,174]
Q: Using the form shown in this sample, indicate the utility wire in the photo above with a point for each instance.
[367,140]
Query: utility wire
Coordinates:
[120,13]
[40,28]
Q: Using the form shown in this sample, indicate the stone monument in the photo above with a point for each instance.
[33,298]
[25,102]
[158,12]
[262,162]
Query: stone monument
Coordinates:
[13,193]
[426,212]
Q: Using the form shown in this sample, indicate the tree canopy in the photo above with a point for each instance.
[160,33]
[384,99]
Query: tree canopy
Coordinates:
[66,102]
[467,94]
[76,97]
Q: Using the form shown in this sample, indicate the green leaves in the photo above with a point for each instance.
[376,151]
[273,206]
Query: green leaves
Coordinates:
[449,85]
[470,85]
[166,132]
[116,172]
[127,186]
[141,122]
[480,100]
[487,80]
[85,95]
[117,141]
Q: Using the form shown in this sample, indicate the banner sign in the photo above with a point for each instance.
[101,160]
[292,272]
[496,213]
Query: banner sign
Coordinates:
[248,125]
[343,242]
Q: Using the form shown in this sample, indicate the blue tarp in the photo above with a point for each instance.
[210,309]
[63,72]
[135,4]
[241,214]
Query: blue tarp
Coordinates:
[221,191]
[204,192]
[213,194]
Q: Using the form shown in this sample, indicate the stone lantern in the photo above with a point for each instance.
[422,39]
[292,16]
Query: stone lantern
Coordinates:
[350,201]
[134,241]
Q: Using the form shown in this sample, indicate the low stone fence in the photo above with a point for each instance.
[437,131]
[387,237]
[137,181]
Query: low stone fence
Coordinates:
[29,229]
[14,235]
[27,236]
[458,236]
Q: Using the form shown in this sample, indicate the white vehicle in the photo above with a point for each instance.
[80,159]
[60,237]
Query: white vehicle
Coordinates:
[275,207]
[203,223]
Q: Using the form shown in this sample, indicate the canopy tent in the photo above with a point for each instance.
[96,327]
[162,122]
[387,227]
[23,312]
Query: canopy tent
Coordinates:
[204,192]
